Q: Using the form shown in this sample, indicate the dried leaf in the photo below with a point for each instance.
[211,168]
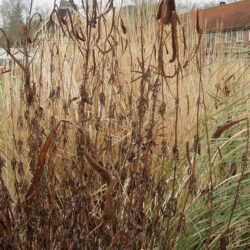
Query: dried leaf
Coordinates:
[3,224]
[224,127]
[165,11]
[109,211]
[174,23]
[124,30]
[198,27]
[39,169]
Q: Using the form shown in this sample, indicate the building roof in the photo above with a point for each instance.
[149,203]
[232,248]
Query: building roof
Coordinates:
[65,24]
[65,4]
[226,17]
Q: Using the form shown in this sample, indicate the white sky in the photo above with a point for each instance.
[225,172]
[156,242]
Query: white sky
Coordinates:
[49,3]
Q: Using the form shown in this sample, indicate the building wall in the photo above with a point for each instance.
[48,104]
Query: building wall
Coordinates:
[227,42]
[215,41]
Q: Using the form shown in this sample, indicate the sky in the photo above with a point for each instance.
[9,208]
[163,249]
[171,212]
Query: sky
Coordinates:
[49,3]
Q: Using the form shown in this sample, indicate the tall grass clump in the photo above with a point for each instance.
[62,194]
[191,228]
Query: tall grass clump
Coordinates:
[120,134]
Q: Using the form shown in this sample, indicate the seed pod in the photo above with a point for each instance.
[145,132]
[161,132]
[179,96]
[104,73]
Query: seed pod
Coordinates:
[111,112]
[2,163]
[124,30]
[66,108]
[85,98]
[169,210]
[20,168]
[198,27]
[52,68]
[175,48]
[166,8]
[121,118]
[13,164]
[39,112]
[26,114]
[32,166]
[197,145]
[142,105]
[175,154]
[162,109]
[58,92]
[164,147]
[108,143]
[34,125]
[130,100]
[52,95]
[19,147]
[192,185]
[20,122]
[131,157]
[98,124]
[102,99]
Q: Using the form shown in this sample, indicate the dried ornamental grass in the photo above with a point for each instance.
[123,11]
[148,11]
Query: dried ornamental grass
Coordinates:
[121,135]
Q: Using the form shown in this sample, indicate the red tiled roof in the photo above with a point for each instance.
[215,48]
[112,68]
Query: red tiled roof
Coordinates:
[226,16]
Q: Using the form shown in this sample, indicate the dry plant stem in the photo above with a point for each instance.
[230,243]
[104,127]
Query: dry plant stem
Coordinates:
[160,50]
[12,215]
[24,67]
[174,165]
[192,163]
[142,88]
[86,61]
[208,144]
[175,151]
[246,156]
[182,212]
[101,92]
[140,103]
